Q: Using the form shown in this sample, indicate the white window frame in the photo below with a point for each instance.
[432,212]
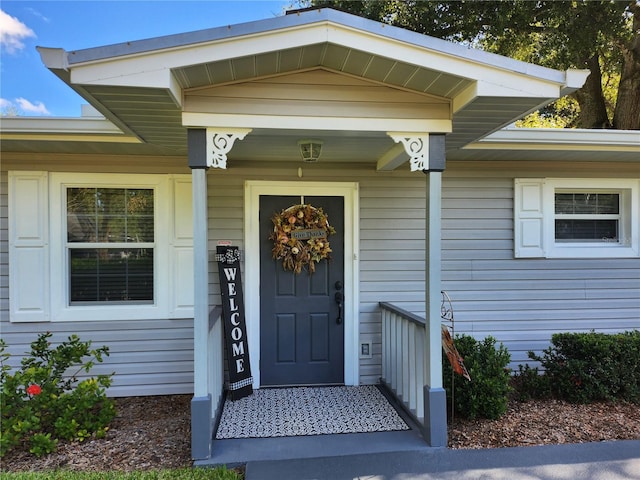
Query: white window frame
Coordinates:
[534,218]
[38,253]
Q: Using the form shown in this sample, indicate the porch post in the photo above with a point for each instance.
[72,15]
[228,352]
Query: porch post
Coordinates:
[201,422]
[435,399]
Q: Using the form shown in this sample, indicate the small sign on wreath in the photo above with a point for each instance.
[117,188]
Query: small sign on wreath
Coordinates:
[300,237]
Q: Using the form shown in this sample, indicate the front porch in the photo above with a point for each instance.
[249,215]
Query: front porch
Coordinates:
[312,422]
[402,413]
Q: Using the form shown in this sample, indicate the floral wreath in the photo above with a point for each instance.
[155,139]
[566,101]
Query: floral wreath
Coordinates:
[300,236]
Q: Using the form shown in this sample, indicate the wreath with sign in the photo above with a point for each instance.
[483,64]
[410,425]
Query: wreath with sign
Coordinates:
[300,237]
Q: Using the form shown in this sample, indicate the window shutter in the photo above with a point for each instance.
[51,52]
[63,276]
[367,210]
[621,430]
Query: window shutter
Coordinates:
[182,248]
[28,247]
[529,218]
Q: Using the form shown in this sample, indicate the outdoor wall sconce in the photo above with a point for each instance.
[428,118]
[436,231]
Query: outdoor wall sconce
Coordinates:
[310,150]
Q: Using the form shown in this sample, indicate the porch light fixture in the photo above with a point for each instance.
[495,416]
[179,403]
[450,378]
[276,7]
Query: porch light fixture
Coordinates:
[310,150]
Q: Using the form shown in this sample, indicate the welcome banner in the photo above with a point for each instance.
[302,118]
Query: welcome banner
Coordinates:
[235,328]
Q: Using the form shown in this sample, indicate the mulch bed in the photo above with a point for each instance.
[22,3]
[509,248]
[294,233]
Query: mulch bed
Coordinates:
[151,433]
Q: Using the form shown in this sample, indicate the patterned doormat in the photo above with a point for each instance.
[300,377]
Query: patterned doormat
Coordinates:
[286,412]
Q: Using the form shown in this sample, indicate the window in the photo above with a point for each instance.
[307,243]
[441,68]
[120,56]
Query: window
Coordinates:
[100,246]
[589,217]
[110,245]
[576,218]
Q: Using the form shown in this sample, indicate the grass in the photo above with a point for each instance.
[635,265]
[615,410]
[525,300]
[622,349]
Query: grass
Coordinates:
[218,473]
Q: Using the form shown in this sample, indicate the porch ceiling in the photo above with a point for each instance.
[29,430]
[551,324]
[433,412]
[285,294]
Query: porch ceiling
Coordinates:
[140,86]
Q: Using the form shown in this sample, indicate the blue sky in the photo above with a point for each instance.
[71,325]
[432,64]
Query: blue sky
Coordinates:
[28,88]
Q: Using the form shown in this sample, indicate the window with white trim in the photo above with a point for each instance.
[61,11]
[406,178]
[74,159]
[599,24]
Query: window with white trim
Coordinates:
[587,216]
[110,245]
[574,218]
[100,246]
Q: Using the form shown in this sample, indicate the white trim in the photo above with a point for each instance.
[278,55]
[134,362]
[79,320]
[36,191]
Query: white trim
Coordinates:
[163,282]
[560,139]
[629,245]
[357,124]
[348,190]
[28,217]
[534,218]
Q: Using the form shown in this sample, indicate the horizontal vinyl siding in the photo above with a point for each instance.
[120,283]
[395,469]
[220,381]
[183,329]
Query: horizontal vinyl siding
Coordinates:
[149,357]
[522,302]
[392,255]
[391,234]
[323,93]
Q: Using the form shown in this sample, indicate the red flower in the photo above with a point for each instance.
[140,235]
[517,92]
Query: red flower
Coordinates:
[34,389]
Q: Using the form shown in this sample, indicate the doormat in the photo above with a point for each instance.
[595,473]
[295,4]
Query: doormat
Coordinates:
[287,412]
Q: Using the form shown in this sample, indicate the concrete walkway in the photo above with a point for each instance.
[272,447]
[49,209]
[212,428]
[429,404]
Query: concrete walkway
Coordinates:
[590,461]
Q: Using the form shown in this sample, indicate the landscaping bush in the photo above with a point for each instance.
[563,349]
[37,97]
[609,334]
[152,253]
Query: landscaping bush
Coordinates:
[486,395]
[528,383]
[587,367]
[43,400]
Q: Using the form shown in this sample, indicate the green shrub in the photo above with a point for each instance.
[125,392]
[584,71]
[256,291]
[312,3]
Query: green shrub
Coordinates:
[43,400]
[486,395]
[589,367]
[528,383]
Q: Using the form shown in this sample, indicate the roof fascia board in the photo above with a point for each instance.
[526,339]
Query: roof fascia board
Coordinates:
[560,139]
[291,122]
[70,137]
[63,129]
[502,75]
[178,57]
[325,16]
[161,78]
[495,77]
[85,125]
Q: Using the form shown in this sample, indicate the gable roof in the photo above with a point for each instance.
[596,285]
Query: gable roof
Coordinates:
[140,86]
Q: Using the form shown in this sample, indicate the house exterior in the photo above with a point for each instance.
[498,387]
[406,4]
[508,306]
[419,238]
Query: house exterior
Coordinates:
[195,142]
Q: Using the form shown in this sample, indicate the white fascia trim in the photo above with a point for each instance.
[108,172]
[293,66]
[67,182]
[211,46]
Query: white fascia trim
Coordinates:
[359,124]
[144,66]
[63,129]
[559,139]
[575,79]
[499,80]
[322,19]
[67,125]
[151,68]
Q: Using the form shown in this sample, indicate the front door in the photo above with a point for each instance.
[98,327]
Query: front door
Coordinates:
[301,322]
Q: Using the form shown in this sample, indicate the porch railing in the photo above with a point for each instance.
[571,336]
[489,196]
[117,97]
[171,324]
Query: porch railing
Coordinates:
[403,357]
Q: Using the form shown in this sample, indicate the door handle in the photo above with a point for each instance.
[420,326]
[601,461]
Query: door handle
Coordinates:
[339,297]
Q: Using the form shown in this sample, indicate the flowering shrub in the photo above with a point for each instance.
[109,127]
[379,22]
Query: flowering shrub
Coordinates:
[44,400]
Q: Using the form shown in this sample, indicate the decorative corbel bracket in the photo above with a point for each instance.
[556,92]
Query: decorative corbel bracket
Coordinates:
[416,146]
[220,142]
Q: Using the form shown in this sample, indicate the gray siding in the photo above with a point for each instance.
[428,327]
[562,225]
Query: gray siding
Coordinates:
[521,302]
[149,357]
[391,234]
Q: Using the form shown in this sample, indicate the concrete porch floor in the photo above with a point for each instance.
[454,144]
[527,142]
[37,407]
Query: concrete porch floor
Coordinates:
[239,451]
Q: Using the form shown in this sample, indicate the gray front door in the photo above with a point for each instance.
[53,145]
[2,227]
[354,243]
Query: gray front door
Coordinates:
[301,326]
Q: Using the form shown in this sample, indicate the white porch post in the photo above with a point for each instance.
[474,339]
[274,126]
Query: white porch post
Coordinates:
[207,148]
[435,399]
[427,154]
[201,404]
[201,284]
